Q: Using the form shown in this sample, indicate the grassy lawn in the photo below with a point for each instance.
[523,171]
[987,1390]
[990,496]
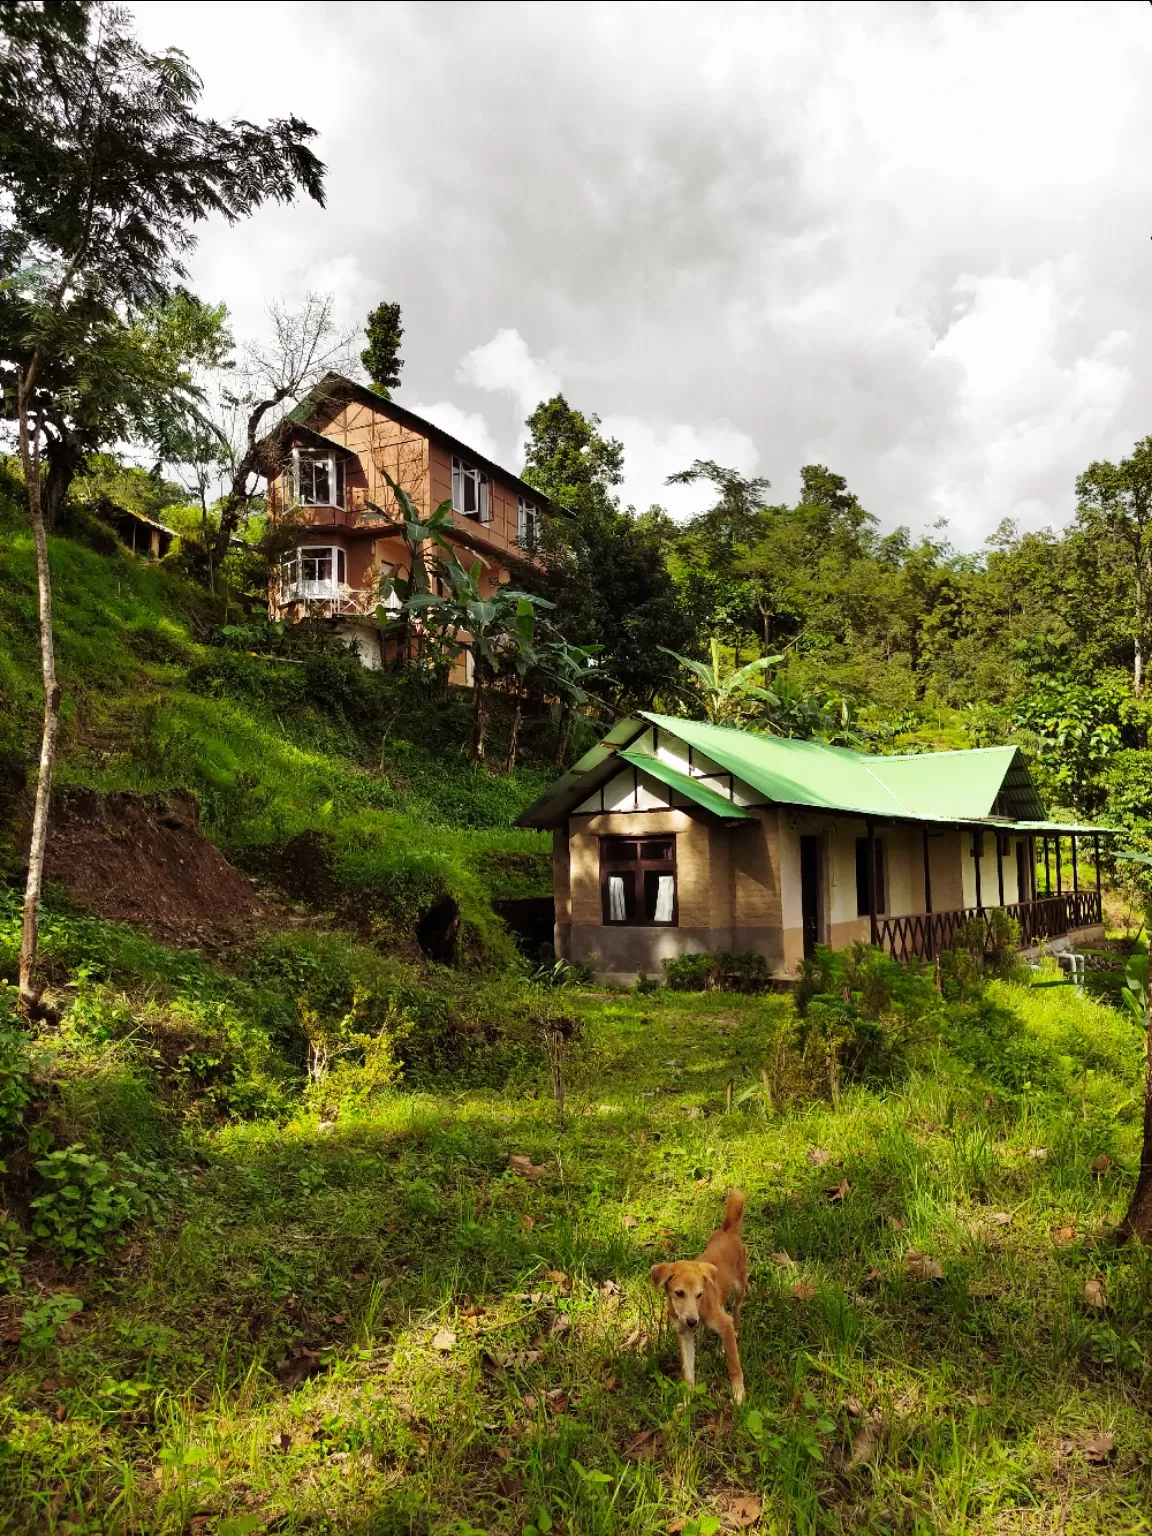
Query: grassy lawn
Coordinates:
[378,1326]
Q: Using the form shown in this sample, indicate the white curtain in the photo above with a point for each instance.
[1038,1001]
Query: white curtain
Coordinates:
[664,891]
[617,911]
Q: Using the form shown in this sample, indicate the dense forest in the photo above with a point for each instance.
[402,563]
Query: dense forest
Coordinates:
[329,1200]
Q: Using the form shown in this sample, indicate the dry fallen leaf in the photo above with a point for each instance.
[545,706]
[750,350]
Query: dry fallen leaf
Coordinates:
[643,1445]
[610,1288]
[922,1266]
[835,1193]
[518,1163]
[785,1260]
[531,1402]
[853,1407]
[1039,1153]
[744,1511]
[864,1444]
[1000,1219]
[1094,1295]
[817,1156]
[527,1222]
[636,1339]
[897,1223]
[629,1221]
[1064,1234]
[445,1339]
[1098,1448]
[978,1399]
[803,1290]
[560,1324]
[557,1277]
[1102,1163]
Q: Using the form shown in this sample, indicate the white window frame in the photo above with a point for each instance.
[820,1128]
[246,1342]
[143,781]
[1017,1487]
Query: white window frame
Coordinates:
[302,484]
[300,581]
[527,523]
[470,484]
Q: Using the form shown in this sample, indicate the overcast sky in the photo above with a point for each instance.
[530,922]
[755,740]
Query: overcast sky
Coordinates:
[908,241]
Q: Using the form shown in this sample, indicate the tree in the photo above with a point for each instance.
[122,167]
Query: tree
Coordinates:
[227,439]
[603,569]
[105,169]
[711,555]
[1115,505]
[381,357]
[728,697]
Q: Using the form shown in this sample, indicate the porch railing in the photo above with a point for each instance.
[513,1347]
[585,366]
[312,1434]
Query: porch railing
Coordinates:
[922,935]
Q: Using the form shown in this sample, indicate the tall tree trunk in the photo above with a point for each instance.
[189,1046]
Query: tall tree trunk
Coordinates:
[479,711]
[30,459]
[1138,1220]
[1138,643]
[514,734]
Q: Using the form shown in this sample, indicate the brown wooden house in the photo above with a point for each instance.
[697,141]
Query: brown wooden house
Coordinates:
[326,465]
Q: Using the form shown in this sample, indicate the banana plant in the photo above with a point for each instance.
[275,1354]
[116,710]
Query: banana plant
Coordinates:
[726,698]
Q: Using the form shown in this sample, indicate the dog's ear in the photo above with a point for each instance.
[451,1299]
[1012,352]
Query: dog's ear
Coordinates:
[709,1272]
[660,1274]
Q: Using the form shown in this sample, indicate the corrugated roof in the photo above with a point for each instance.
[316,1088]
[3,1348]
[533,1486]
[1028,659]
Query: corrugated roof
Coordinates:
[930,786]
[706,798]
[983,784]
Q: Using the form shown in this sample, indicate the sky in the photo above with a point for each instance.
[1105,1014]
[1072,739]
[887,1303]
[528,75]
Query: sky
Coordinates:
[912,242]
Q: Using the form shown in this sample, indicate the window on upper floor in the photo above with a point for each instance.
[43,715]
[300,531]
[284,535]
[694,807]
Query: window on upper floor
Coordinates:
[527,523]
[314,573]
[470,491]
[316,479]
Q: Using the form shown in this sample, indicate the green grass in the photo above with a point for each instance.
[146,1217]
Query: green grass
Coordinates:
[159,1407]
[272,748]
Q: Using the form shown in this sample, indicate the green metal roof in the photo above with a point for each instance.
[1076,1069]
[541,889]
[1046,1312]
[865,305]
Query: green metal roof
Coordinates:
[930,786]
[706,798]
[986,784]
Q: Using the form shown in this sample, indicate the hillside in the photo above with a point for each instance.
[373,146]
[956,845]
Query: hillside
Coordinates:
[284,744]
[294,1241]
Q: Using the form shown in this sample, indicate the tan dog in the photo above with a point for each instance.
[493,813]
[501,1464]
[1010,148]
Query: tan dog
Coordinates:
[699,1291]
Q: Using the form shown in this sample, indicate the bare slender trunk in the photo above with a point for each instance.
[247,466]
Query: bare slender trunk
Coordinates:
[565,733]
[514,735]
[479,712]
[1138,1220]
[1138,642]
[30,459]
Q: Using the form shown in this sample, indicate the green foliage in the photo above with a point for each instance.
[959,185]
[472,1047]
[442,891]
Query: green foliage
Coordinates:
[89,1201]
[863,1013]
[13,1248]
[381,357]
[15,1089]
[724,971]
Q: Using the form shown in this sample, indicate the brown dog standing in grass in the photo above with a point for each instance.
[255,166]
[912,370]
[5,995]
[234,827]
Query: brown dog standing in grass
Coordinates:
[700,1290]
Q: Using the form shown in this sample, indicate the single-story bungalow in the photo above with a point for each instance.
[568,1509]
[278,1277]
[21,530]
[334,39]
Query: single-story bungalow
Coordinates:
[673,836]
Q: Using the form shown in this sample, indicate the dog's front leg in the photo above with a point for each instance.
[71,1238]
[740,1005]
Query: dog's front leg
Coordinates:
[687,1341]
[724,1327]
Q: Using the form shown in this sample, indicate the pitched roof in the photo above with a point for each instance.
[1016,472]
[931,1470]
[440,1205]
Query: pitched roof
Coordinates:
[334,388]
[982,784]
[704,797]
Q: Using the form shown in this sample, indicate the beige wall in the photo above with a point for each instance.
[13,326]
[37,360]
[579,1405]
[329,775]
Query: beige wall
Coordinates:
[728,891]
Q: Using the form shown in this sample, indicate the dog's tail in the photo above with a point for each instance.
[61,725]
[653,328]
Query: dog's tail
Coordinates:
[734,1211]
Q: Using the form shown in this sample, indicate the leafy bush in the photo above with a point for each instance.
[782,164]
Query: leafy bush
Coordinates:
[15,1091]
[12,1248]
[724,971]
[89,1201]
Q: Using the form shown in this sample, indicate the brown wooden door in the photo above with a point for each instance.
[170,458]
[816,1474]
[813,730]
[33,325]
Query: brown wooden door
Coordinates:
[811,892]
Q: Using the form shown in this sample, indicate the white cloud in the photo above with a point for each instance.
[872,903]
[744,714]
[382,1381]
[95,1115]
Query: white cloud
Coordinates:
[505,365]
[655,450]
[908,241]
[468,426]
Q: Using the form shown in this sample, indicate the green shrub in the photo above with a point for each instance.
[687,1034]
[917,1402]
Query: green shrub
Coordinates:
[724,971]
[15,1090]
[12,1249]
[89,1201]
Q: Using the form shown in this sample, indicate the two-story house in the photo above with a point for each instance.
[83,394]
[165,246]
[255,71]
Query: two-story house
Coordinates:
[326,464]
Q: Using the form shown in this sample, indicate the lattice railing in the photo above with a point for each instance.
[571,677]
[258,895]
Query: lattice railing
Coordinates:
[922,935]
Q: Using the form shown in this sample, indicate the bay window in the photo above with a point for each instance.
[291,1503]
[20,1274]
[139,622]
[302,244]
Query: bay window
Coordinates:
[638,881]
[313,573]
[470,491]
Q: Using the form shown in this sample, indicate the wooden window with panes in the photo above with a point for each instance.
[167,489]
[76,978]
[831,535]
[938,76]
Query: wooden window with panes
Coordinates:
[638,882]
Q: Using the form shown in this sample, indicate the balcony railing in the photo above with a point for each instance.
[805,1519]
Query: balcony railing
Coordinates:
[922,935]
[331,600]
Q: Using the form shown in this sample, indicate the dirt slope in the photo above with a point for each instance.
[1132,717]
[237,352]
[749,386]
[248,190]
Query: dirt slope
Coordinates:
[143,859]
